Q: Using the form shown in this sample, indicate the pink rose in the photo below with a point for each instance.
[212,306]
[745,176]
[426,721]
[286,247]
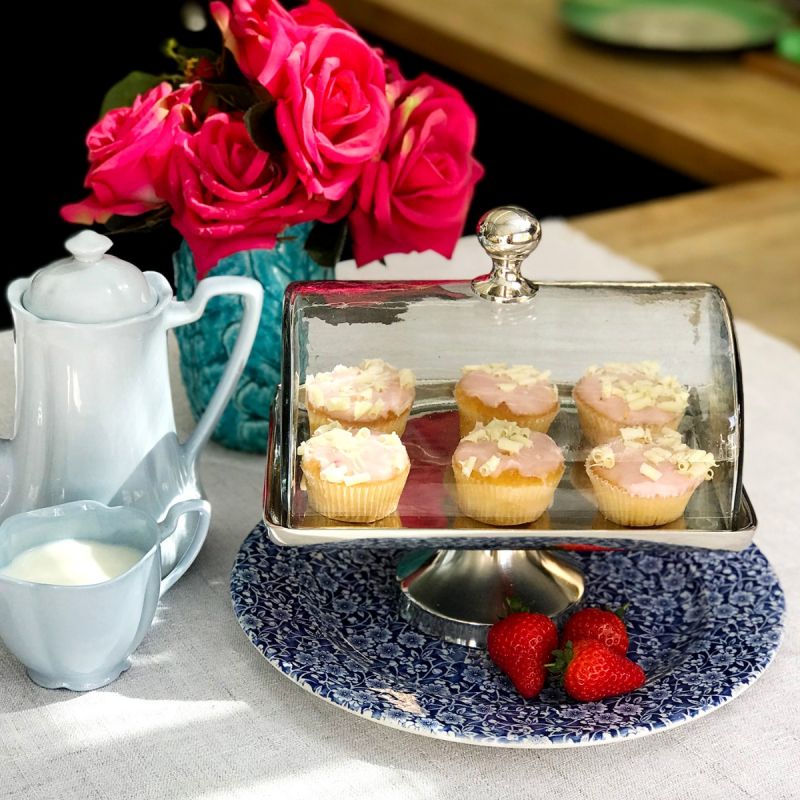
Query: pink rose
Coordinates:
[417,195]
[259,33]
[227,195]
[316,13]
[128,151]
[332,112]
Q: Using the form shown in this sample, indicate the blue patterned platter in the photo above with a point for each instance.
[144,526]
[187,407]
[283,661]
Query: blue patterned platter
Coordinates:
[704,625]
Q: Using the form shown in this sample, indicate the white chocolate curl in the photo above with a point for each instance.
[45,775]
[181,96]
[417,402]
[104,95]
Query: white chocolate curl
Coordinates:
[517,374]
[369,391]
[641,385]
[351,458]
[602,456]
[665,446]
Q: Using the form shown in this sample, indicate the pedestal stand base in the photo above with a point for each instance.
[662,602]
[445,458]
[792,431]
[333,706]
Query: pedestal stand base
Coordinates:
[456,595]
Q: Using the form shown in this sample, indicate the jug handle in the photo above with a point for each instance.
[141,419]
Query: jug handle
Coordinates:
[168,526]
[182,313]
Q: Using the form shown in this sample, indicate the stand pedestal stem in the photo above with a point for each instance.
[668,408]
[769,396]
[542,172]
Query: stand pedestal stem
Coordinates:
[456,595]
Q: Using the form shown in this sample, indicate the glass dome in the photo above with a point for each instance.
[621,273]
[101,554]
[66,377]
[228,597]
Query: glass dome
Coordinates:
[435,329]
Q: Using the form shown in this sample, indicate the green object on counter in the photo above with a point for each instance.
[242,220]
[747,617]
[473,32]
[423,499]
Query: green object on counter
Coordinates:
[788,45]
[678,25]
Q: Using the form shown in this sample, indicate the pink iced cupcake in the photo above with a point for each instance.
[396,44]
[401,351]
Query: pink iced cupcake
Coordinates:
[506,474]
[353,476]
[616,395]
[372,395]
[516,392]
[642,479]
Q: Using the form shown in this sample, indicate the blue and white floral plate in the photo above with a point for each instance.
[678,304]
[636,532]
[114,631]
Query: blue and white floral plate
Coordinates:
[704,625]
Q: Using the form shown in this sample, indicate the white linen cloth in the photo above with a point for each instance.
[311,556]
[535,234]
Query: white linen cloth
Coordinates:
[202,715]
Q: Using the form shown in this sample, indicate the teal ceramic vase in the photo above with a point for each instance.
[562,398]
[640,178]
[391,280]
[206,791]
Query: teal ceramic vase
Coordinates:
[205,345]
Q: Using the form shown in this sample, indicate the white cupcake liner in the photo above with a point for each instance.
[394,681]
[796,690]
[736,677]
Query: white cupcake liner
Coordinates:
[623,508]
[499,502]
[361,502]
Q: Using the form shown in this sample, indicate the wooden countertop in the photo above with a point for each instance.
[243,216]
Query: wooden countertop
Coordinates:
[709,117]
[744,238]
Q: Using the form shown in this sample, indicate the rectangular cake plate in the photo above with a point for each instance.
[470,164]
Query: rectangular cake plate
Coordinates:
[428,516]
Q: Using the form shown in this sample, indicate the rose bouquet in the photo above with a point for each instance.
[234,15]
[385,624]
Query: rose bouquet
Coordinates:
[266,157]
[299,120]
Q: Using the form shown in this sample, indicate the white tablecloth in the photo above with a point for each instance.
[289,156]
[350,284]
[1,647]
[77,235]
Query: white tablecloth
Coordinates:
[202,715]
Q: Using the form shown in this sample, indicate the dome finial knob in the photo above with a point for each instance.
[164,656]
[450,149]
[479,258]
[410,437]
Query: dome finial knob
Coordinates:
[508,234]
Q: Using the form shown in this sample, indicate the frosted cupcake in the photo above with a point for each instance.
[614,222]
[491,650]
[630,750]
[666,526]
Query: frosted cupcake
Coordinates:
[641,479]
[506,474]
[372,395]
[501,391]
[616,395]
[353,476]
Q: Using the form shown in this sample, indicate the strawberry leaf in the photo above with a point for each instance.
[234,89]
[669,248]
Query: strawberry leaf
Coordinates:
[561,658]
[621,611]
[514,605]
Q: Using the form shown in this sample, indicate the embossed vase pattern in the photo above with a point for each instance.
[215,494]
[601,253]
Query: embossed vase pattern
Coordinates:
[205,345]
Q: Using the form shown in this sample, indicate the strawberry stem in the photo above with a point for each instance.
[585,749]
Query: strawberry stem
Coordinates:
[561,658]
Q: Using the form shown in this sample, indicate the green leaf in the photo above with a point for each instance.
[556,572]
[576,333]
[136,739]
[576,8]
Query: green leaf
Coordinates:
[124,92]
[561,658]
[143,222]
[621,611]
[515,606]
[326,241]
[262,127]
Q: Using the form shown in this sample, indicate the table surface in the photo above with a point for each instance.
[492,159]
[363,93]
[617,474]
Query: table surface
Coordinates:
[742,237]
[706,116]
[202,716]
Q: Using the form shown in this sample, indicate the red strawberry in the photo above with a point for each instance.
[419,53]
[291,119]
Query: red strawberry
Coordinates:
[604,625]
[590,671]
[521,645]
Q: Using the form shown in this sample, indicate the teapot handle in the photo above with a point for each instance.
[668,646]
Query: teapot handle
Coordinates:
[182,313]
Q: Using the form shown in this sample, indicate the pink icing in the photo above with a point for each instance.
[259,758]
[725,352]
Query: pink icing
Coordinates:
[371,458]
[625,474]
[355,384]
[537,398]
[536,460]
[589,389]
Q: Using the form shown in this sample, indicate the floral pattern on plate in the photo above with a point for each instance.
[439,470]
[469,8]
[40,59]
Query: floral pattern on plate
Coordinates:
[703,624]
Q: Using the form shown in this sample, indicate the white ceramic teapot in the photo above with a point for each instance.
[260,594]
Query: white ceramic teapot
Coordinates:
[93,413]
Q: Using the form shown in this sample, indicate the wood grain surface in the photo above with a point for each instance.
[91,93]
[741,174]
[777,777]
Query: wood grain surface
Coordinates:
[707,116]
[744,238]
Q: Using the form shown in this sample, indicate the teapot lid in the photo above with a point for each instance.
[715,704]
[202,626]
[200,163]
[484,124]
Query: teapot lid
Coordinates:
[89,286]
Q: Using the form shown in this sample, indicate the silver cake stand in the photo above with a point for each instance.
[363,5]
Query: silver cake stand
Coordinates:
[455,575]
